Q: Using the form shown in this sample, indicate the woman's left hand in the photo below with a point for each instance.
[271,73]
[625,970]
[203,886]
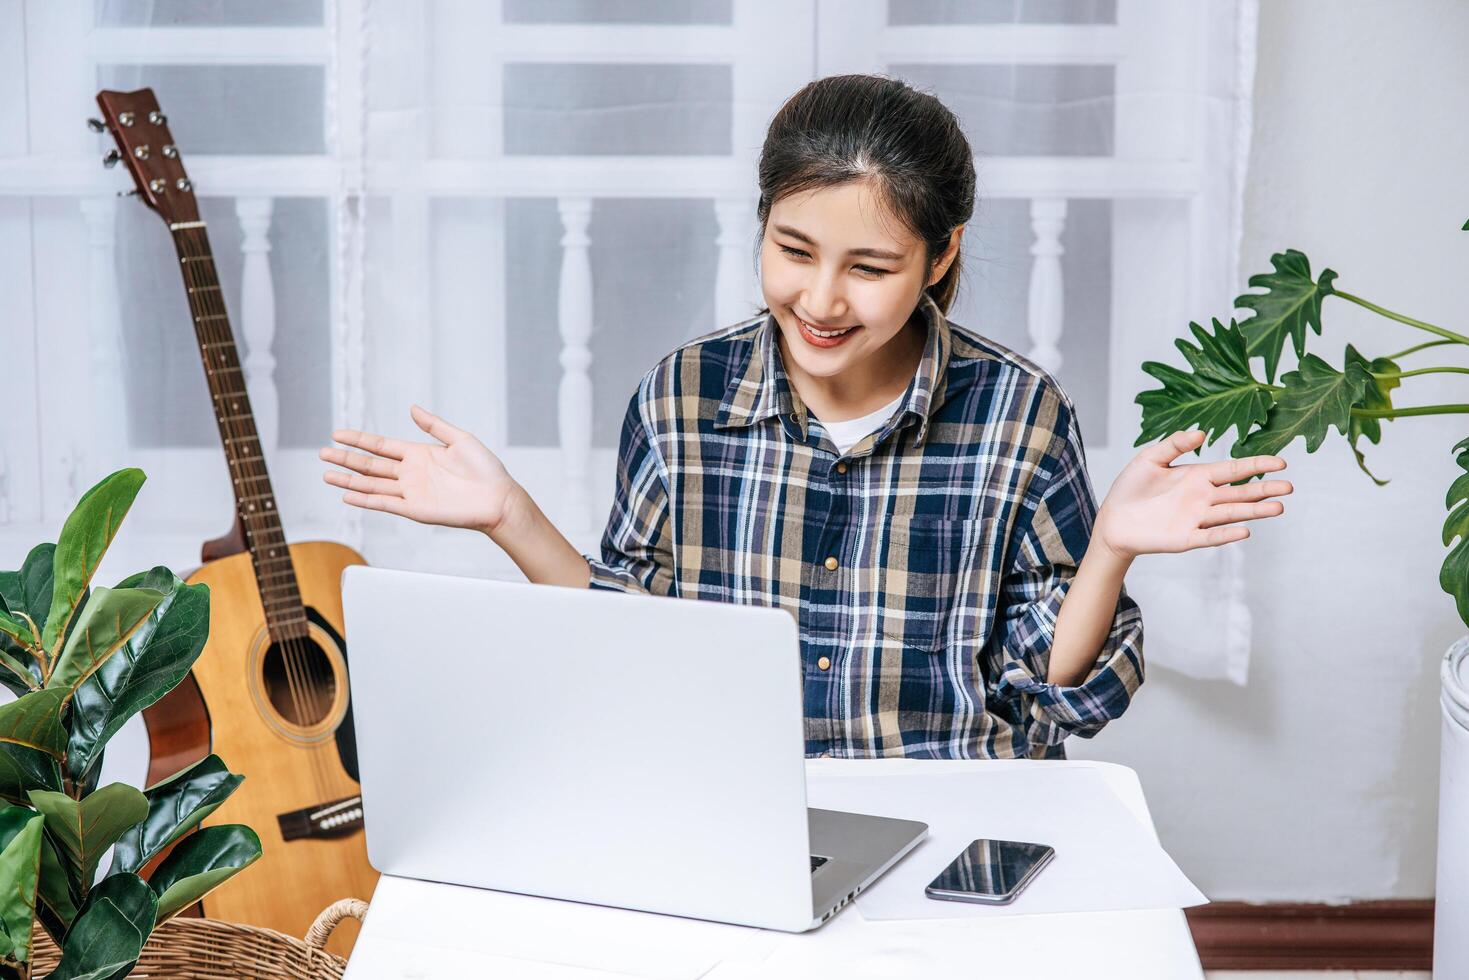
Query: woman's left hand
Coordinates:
[1156,508]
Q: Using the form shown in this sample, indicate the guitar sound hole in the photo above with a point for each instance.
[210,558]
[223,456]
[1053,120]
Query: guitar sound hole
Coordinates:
[299,681]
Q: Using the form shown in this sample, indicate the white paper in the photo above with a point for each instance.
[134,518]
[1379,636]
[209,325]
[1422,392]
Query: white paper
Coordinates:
[1106,860]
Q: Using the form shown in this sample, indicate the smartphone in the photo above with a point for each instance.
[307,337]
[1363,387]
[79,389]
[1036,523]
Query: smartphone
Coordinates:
[991,872]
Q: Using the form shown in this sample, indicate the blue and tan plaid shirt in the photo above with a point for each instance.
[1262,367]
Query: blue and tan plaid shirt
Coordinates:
[925,567]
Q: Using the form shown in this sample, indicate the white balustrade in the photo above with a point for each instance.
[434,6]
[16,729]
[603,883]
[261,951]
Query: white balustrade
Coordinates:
[257,317]
[575,402]
[1047,304]
[736,291]
[108,424]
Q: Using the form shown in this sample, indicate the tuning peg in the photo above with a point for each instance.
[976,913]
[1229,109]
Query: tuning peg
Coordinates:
[157,118]
[96,125]
[131,193]
[110,158]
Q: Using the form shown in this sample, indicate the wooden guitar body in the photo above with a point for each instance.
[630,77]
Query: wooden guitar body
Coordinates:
[283,746]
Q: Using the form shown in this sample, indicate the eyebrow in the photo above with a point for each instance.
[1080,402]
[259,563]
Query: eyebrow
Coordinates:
[876,253]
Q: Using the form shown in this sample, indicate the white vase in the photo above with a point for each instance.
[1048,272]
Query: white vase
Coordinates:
[1451,903]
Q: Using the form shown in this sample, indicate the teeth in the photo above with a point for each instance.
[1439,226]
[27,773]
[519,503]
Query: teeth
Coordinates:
[825,333]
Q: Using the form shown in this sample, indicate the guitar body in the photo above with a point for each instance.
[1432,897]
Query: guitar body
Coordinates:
[287,754]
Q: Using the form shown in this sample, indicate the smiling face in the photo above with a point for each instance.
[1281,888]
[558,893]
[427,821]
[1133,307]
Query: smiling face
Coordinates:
[843,280]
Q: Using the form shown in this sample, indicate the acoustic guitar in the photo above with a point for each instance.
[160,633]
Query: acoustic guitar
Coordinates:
[269,693]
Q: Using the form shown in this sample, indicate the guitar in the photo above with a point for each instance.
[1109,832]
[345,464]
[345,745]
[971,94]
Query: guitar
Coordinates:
[273,674]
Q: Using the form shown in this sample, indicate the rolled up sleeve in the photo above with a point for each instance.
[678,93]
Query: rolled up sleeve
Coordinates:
[1046,558]
[637,554]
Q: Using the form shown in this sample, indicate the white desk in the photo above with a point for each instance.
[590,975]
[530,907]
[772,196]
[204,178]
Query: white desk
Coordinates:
[424,931]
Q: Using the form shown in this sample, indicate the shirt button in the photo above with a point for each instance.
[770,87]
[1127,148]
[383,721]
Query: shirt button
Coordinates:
[824,663]
[841,467]
[831,564]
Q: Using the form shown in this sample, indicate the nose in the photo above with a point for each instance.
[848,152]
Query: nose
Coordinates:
[823,299]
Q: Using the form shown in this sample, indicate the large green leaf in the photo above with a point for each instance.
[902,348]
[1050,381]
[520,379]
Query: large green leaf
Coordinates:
[22,770]
[1316,397]
[1291,303]
[85,536]
[109,932]
[1453,576]
[109,618]
[85,829]
[26,594]
[59,891]
[1376,395]
[34,721]
[175,806]
[149,665]
[20,870]
[1220,393]
[200,863]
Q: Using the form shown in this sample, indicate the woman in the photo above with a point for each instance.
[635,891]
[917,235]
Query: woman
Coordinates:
[915,494]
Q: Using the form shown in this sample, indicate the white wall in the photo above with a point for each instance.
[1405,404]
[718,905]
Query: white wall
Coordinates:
[1319,781]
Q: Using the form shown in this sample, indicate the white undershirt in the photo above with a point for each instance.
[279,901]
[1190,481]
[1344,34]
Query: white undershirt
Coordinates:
[847,434]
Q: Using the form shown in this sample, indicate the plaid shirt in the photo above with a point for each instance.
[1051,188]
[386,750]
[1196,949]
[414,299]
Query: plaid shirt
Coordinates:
[925,567]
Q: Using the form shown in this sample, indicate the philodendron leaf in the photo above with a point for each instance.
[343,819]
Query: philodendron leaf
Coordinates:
[1291,303]
[58,892]
[175,806]
[106,622]
[1453,577]
[109,932]
[22,770]
[1316,397]
[1220,393]
[33,721]
[88,530]
[85,829]
[200,863]
[1377,395]
[20,870]
[149,665]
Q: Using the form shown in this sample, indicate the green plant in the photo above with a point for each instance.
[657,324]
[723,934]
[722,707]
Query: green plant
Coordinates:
[81,662]
[1222,391]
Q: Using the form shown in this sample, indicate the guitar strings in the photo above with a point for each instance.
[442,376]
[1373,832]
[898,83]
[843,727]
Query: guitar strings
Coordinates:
[303,680]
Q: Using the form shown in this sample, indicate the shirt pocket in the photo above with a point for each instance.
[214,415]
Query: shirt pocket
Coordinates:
[930,562]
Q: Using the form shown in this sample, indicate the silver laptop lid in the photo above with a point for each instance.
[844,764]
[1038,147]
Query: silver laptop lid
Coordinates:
[635,751]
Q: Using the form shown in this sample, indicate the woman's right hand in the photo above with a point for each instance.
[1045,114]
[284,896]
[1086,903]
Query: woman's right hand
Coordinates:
[457,484]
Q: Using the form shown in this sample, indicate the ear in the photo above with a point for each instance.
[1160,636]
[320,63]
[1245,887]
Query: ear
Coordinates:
[947,259]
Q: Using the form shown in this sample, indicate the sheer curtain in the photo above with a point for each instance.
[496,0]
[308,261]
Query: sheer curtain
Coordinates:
[508,210]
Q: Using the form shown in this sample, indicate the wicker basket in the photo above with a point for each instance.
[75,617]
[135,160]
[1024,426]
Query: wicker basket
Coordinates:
[208,949]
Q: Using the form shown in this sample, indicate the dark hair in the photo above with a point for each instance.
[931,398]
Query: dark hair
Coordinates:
[906,142]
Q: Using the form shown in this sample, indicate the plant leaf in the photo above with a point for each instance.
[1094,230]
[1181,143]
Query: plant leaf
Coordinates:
[1453,576]
[85,536]
[58,892]
[20,870]
[22,770]
[1291,303]
[1377,395]
[175,806]
[149,665]
[1220,393]
[109,932]
[26,591]
[34,722]
[1316,397]
[200,863]
[109,618]
[85,829]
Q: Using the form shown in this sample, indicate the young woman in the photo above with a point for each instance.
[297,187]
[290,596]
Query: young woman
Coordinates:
[914,493]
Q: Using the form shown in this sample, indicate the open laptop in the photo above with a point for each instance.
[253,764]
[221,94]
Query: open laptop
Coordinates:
[634,751]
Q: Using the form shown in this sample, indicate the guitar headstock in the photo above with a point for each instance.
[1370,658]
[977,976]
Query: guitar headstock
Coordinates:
[146,146]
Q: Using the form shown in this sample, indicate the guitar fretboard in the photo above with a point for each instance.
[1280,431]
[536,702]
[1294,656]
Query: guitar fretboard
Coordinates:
[254,498]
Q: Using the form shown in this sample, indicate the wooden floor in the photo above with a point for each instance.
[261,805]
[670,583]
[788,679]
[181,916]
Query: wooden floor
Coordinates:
[1315,975]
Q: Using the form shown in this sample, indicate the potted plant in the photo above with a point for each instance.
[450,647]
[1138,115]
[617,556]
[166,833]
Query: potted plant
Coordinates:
[81,662]
[1222,392]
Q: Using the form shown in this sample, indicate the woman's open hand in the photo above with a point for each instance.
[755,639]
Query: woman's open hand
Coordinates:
[1157,508]
[457,484]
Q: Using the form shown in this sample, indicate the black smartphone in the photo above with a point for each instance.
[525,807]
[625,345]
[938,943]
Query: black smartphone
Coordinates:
[991,872]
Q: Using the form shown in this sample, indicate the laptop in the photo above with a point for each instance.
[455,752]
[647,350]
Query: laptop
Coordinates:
[635,751]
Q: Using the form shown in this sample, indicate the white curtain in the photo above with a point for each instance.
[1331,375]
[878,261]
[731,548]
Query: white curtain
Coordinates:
[507,210]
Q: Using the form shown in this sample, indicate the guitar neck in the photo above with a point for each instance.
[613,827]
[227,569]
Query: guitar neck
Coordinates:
[255,500]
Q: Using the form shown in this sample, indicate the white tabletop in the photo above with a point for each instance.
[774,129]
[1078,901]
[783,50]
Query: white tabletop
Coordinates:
[423,930]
